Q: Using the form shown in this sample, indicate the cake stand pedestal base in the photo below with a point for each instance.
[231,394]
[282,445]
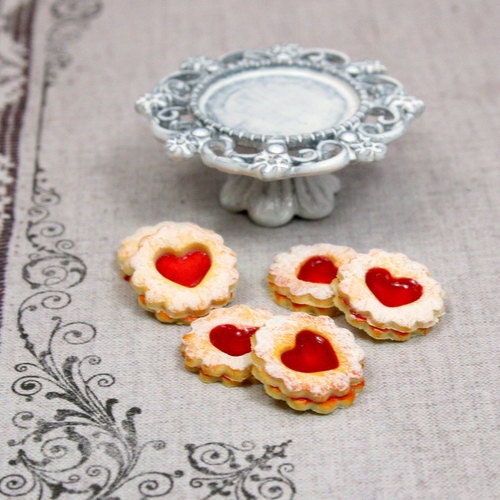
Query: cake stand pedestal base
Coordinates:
[275,203]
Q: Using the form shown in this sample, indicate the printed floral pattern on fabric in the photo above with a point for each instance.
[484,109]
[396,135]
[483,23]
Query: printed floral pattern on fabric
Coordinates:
[81,447]
[85,447]
[233,472]
[71,440]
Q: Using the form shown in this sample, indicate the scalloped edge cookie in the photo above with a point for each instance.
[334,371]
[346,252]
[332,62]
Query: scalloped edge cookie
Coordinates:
[172,302]
[212,364]
[304,296]
[322,391]
[364,311]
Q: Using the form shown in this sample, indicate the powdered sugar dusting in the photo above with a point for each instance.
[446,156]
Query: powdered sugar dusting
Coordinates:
[279,335]
[350,285]
[130,245]
[285,267]
[197,344]
[161,294]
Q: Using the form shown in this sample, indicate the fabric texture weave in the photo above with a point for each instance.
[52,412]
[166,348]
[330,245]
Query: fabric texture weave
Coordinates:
[96,402]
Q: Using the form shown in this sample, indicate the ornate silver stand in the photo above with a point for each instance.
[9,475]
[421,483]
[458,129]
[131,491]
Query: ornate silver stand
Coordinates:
[280,121]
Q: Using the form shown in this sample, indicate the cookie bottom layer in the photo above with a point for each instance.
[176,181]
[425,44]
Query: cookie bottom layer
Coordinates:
[219,373]
[165,317]
[361,322]
[303,404]
[293,305]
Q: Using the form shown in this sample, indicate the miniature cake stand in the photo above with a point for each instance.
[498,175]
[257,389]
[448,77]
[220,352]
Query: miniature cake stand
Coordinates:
[280,121]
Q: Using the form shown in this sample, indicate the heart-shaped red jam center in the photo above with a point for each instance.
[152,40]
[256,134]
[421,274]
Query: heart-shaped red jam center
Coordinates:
[186,270]
[392,292]
[318,269]
[312,353]
[231,339]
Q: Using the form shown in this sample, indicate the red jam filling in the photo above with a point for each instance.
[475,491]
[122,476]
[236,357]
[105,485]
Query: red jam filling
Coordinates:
[311,353]
[318,269]
[390,291]
[231,339]
[187,270]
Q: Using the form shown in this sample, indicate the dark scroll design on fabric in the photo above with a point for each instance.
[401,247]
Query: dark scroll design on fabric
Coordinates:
[53,264]
[74,443]
[83,447]
[15,36]
[72,440]
[237,473]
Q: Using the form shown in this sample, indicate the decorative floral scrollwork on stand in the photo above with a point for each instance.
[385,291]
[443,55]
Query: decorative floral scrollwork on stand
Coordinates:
[274,114]
[179,95]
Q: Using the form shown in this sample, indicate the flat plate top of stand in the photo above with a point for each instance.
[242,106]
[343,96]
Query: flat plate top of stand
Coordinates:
[278,100]
[279,113]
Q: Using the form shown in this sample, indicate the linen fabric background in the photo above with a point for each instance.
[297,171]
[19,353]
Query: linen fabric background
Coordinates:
[96,402]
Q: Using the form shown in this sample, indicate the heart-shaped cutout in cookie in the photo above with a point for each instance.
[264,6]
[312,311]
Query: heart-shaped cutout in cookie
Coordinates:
[391,291]
[317,269]
[187,270]
[311,353]
[231,339]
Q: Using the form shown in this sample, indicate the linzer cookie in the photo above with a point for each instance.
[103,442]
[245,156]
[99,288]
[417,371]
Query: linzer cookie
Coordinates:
[300,278]
[180,271]
[130,245]
[218,345]
[308,361]
[388,295]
